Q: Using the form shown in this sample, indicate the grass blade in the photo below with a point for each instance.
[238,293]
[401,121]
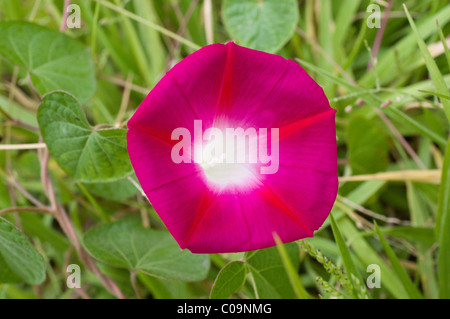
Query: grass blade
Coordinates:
[371,99]
[443,228]
[444,43]
[420,213]
[150,24]
[410,288]
[432,67]
[442,96]
[299,290]
[345,254]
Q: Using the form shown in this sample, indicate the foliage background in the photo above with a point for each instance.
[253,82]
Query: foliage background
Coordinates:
[388,84]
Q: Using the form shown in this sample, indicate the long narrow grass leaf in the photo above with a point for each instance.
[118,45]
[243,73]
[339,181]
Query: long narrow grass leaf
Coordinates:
[411,289]
[294,278]
[150,24]
[443,228]
[432,67]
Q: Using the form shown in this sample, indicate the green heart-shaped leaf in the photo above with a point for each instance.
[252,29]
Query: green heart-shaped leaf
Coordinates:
[127,244]
[117,190]
[53,60]
[264,25]
[85,153]
[269,274]
[229,280]
[19,260]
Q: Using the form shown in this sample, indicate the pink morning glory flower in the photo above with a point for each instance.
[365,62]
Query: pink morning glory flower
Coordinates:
[234,145]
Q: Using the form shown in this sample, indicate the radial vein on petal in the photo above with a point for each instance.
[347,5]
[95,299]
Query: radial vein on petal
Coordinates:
[273,198]
[225,87]
[294,127]
[200,214]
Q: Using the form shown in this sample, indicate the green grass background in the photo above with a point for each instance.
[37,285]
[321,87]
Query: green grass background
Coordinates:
[392,132]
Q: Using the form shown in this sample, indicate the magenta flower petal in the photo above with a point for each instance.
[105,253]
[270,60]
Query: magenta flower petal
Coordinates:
[266,90]
[212,205]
